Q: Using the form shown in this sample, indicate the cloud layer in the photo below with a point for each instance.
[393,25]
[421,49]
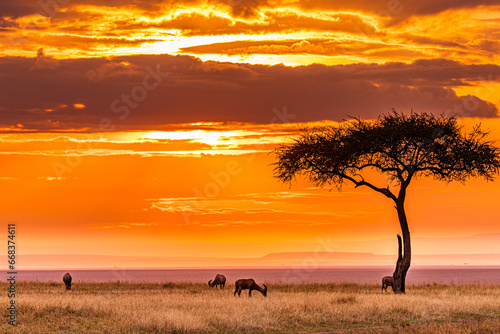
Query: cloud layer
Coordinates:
[146,92]
[347,32]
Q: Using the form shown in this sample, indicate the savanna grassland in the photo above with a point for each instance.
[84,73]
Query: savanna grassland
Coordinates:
[121,307]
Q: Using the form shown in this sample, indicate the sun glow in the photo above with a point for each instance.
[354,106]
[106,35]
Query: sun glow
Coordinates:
[213,138]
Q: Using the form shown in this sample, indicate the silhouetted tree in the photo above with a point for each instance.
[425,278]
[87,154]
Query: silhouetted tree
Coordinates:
[401,146]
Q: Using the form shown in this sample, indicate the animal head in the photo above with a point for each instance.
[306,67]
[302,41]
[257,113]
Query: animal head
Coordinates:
[210,284]
[264,291]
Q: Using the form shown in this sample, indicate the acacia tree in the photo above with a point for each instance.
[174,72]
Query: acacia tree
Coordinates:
[400,146]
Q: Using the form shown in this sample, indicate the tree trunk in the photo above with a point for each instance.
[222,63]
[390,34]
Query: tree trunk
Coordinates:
[404,259]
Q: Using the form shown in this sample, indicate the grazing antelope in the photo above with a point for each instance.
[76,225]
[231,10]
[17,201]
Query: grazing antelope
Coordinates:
[67,280]
[218,280]
[386,282]
[249,283]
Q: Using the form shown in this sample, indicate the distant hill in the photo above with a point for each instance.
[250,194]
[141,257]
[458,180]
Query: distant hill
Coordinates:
[308,259]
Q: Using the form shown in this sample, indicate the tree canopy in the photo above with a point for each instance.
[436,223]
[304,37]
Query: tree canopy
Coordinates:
[401,146]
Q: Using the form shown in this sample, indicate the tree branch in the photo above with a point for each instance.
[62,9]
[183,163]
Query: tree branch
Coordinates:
[357,183]
[384,191]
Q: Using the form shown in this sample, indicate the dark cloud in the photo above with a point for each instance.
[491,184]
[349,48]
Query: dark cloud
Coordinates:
[43,62]
[396,9]
[53,8]
[125,93]
[113,70]
[15,8]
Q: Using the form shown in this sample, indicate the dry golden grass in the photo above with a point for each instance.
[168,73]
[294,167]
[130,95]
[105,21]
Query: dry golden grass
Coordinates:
[289,308]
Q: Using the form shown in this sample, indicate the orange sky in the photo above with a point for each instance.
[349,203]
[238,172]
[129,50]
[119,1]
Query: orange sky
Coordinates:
[145,128]
[103,193]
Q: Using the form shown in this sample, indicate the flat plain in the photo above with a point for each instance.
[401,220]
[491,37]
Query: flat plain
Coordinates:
[184,307]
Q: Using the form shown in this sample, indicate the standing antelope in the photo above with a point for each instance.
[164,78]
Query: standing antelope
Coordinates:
[386,282]
[249,283]
[218,280]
